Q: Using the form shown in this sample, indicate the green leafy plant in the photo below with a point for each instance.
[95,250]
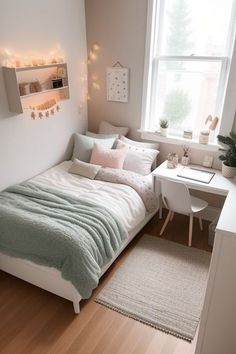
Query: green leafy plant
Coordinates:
[164,123]
[229,157]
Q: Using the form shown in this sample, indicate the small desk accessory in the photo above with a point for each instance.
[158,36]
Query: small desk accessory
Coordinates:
[207,161]
[172,160]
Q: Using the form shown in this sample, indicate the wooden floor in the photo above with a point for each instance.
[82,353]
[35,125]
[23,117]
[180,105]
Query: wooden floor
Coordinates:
[35,321]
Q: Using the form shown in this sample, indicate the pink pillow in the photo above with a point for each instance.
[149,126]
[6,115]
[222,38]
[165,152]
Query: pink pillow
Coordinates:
[108,157]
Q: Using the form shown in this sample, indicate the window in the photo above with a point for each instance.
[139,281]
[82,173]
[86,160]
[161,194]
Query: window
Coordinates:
[187,62]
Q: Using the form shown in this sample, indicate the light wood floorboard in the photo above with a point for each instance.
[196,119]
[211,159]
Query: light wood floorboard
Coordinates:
[35,321]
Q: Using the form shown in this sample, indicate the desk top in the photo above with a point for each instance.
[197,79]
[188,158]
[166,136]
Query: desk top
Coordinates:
[218,185]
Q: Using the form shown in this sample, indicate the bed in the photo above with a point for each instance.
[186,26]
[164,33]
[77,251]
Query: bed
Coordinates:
[123,200]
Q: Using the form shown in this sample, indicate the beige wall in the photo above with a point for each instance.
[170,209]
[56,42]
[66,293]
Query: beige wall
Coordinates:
[119,27]
[29,147]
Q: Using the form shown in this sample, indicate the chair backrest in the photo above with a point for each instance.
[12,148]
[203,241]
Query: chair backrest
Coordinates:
[176,196]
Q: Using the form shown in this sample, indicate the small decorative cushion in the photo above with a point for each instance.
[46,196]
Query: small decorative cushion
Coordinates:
[84,169]
[102,136]
[145,145]
[108,128]
[83,146]
[108,157]
[138,160]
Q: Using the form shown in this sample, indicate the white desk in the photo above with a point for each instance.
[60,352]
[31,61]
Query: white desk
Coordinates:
[219,185]
[217,331]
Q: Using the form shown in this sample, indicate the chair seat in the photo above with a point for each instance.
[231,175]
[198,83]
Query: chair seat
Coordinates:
[197,204]
[177,199]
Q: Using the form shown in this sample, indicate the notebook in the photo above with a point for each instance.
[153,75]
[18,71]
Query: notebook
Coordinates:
[196,174]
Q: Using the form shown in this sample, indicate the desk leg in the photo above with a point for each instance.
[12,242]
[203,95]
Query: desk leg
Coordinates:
[160,207]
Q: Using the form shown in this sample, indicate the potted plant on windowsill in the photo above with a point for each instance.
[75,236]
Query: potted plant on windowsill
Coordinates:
[229,157]
[164,127]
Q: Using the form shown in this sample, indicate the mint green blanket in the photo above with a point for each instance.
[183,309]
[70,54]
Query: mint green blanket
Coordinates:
[54,229]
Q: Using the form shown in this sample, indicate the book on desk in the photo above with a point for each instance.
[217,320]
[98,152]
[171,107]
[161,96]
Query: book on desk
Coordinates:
[196,174]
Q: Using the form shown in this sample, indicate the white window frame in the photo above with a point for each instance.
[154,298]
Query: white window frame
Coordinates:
[226,92]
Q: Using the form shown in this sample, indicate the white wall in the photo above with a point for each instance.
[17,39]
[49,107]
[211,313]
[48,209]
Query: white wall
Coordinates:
[119,27]
[28,147]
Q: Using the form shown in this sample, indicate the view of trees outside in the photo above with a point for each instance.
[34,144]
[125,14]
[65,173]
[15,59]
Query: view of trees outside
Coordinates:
[186,91]
[177,104]
[179,41]
[186,96]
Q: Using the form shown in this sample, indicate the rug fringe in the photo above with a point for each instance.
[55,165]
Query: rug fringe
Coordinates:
[125,313]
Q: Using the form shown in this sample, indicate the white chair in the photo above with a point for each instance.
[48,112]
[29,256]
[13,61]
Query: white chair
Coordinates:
[177,199]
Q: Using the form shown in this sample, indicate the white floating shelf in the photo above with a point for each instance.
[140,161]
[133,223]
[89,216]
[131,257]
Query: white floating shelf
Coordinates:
[44,91]
[36,67]
[12,80]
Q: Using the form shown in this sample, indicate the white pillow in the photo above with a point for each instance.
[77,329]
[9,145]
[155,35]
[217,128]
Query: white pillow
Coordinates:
[84,169]
[107,128]
[101,136]
[140,144]
[138,160]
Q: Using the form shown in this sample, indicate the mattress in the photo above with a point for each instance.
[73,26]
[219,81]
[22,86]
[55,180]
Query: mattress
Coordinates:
[121,199]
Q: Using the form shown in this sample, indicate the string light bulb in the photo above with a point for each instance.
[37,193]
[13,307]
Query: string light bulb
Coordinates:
[94,77]
[93,56]
[96,47]
[96,86]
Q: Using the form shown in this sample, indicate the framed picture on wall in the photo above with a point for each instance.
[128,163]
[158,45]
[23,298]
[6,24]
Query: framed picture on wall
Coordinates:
[117,84]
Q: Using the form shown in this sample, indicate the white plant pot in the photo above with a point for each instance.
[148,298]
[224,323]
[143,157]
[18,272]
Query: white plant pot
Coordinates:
[228,171]
[163,131]
[185,160]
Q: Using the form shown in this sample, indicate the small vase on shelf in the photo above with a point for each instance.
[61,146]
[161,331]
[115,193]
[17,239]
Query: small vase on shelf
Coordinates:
[185,160]
[204,137]
[172,160]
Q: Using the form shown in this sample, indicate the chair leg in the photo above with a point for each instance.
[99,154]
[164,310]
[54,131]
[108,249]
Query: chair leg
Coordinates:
[166,222]
[190,230]
[172,215]
[200,223]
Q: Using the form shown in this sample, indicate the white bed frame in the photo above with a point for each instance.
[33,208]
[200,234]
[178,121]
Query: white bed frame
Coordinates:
[50,279]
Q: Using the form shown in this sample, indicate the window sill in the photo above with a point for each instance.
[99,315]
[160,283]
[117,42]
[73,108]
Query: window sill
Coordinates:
[194,144]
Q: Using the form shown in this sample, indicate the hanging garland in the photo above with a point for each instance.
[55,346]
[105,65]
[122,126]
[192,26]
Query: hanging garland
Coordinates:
[44,110]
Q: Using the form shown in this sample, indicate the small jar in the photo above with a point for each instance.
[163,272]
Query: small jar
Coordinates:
[175,160]
[172,160]
[188,134]
[204,137]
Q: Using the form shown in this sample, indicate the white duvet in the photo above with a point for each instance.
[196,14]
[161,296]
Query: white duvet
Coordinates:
[125,203]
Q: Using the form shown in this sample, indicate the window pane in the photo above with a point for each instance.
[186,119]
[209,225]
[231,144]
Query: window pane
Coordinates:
[185,93]
[198,27]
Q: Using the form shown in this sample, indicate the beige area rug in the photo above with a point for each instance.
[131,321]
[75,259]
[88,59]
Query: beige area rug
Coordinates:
[161,284]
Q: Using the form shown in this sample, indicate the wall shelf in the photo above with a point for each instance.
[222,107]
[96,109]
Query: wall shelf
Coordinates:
[44,91]
[43,73]
[36,67]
